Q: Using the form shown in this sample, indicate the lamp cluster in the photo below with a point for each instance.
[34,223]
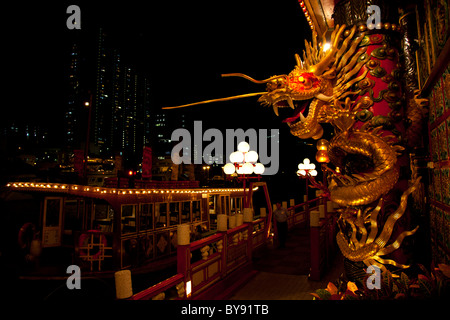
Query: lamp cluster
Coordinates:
[307,168]
[244,161]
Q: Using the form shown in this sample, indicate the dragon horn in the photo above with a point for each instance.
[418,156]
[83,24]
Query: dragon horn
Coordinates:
[299,61]
[322,65]
[217,100]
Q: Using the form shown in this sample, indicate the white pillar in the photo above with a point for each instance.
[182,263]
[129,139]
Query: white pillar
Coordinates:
[222,222]
[239,219]
[232,221]
[124,288]
[183,234]
[321,211]
[314,220]
[248,215]
[263,212]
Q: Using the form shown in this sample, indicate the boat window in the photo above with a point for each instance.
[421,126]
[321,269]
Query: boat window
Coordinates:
[212,203]
[236,205]
[51,231]
[128,218]
[196,213]
[146,216]
[185,212]
[73,220]
[224,204]
[52,217]
[103,217]
[72,217]
[160,215]
[174,213]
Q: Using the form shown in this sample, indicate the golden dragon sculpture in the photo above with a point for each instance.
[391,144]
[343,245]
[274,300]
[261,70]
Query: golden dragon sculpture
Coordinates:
[354,85]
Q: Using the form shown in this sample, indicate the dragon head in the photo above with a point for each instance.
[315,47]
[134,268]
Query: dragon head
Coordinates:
[309,86]
[298,86]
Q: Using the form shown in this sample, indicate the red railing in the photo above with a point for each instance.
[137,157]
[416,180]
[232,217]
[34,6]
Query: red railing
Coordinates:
[205,262]
[299,214]
[158,291]
[208,267]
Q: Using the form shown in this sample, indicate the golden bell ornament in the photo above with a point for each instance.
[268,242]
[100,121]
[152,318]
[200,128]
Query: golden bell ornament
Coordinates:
[322,156]
[322,144]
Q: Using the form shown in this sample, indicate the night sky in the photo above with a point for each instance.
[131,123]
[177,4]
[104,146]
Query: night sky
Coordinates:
[181,46]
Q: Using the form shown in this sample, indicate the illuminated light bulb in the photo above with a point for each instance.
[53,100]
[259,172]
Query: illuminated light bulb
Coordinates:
[322,156]
[310,166]
[243,146]
[229,168]
[259,168]
[247,168]
[301,166]
[326,46]
[313,173]
[306,161]
[237,157]
[322,144]
[251,156]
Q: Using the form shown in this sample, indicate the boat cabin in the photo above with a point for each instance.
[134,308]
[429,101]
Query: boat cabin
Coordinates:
[106,229]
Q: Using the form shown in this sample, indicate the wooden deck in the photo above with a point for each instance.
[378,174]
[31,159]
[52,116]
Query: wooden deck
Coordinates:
[283,272]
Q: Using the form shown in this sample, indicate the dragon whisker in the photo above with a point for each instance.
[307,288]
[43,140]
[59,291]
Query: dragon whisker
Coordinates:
[251,79]
[217,100]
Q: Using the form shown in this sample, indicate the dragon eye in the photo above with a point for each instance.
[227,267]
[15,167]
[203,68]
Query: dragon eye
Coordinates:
[301,79]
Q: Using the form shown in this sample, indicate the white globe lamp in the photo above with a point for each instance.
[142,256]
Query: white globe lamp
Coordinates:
[259,168]
[243,146]
[251,157]
[229,168]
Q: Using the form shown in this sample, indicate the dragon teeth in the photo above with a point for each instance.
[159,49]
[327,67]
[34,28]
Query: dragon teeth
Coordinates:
[302,117]
[291,104]
[275,109]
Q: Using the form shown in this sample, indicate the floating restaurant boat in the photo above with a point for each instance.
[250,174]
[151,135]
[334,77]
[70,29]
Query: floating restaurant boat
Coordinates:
[106,229]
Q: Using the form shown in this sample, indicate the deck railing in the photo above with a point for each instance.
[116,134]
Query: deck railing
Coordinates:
[299,214]
[205,263]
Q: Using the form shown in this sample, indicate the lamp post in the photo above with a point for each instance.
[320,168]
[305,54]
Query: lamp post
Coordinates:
[243,165]
[306,170]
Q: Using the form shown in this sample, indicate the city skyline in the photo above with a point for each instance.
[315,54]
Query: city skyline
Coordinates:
[182,53]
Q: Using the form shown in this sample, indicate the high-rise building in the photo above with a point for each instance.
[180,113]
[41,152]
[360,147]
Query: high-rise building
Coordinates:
[121,110]
[103,100]
[72,112]
[123,121]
